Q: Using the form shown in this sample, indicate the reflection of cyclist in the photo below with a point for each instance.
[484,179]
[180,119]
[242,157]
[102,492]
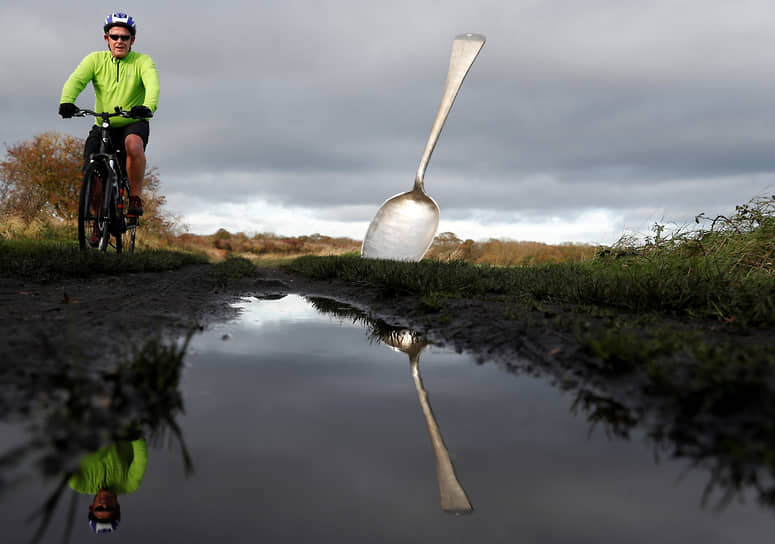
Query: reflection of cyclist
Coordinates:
[121,78]
[114,470]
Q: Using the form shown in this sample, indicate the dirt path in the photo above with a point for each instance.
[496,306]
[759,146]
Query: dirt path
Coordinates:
[45,323]
[42,323]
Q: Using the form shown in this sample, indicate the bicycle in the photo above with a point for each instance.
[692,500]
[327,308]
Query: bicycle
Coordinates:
[104,169]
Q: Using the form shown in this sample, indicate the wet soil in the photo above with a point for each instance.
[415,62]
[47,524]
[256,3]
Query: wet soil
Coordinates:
[100,318]
[50,328]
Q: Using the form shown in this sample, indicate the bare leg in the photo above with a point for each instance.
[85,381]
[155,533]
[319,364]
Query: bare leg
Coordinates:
[96,194]
[135,163]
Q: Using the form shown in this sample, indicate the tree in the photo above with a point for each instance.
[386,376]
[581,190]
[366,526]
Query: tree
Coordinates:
[41,178]
[443,246]
[155,218]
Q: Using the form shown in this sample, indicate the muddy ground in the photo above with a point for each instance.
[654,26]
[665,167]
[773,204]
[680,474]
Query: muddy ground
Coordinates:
[98,318]
[50,328]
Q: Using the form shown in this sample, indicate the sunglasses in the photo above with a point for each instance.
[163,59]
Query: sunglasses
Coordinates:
[122,37]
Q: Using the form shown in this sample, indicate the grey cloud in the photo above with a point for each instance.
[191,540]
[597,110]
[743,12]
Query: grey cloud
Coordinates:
[328,105]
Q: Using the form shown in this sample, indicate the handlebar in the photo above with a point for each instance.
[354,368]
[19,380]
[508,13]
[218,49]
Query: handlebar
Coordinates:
[105,115]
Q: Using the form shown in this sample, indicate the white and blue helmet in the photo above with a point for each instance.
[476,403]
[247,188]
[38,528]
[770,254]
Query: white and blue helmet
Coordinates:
[120,19]
[104,527]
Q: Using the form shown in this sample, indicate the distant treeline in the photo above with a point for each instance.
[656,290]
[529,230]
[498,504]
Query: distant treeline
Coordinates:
[223,243]
[446,247]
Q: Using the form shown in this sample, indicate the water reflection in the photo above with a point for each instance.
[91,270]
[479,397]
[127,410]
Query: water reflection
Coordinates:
[719,418]
[87,430]
[302,431]
[116,469]
[453,498]
[737,450]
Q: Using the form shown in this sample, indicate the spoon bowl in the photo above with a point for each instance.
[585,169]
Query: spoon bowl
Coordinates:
[404,226]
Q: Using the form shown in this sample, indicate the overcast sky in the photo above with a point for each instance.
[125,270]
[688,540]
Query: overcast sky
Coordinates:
[579,121]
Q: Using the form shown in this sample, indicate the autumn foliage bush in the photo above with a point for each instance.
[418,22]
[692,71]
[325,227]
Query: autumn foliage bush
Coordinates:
[40,183]
[42,177]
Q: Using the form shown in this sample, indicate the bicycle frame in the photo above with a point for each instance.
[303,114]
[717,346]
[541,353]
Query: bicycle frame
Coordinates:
[107,150]
[110,216]
[110,153]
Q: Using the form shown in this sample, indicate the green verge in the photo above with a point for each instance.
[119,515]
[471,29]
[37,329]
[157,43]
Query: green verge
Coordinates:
[725,272]
[232,269]
[46,261]
[693,288]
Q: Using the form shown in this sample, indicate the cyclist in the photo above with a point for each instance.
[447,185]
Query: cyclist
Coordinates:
[124,78]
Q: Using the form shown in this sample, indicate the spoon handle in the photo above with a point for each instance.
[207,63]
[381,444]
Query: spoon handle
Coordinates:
[465,48]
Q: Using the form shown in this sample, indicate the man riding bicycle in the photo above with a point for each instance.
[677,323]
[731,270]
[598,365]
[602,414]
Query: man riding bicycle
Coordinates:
[121,78]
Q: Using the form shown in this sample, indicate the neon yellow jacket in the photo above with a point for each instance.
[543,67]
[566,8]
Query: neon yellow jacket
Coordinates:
[127,82]
[119,467]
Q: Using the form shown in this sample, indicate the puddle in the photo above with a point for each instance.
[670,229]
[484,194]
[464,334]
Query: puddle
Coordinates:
[303,421]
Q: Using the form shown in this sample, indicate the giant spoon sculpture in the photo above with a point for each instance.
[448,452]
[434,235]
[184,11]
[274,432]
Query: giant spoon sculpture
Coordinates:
[404,226]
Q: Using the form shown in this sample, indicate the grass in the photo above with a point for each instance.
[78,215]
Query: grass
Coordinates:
[690,287]
[51,260]
[724,272]
[45,261]
[233,268]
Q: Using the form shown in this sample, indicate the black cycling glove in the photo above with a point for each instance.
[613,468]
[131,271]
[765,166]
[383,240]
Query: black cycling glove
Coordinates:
[67,110]
[140,112]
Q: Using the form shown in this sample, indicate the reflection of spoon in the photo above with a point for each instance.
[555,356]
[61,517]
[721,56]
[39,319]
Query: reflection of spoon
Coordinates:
[453,496]
[404,226]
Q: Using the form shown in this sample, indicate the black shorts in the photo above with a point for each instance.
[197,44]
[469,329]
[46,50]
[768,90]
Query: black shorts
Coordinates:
[117,136]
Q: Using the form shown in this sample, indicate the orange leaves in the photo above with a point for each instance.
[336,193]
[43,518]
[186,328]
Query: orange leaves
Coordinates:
[42,177]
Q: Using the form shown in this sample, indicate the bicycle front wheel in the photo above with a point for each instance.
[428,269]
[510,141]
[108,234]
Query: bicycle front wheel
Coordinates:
[88,220]
[111,218]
